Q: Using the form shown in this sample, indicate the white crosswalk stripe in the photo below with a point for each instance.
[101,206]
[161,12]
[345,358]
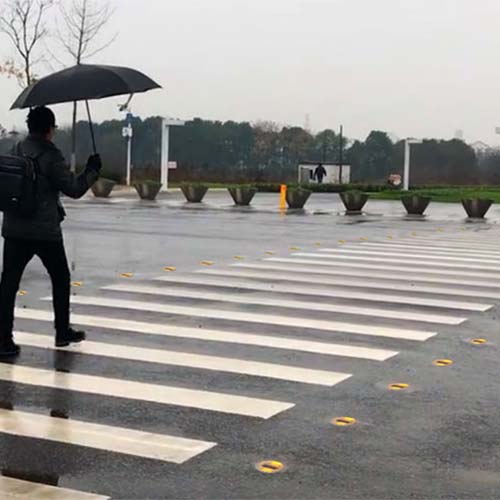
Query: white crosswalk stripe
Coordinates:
[366,272]
[176,358]
[271,319]
[427,249]
[293,304]
[360,264]
[210,335]
[102,437]
[463,245]
[353,257]
[420,256]
[469,237]
[279,283]
[140,391]
[11,488]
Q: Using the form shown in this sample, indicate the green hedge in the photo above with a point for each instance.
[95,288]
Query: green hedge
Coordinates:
[380,191]
[195,184]
[383,189]
[324,188]
[446,194]
[242,186]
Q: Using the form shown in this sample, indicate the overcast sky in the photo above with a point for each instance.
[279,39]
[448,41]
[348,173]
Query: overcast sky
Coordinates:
[422,68]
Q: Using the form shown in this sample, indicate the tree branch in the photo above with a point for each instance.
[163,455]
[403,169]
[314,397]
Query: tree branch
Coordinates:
[23,23]
[84,21]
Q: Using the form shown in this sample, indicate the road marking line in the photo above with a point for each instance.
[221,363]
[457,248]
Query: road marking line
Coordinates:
[370,272]
[140,391]
[175,358]
[356,258]
[26,490]
[476,237]
[269,319]
[385,267]
[429,249]
[102,437]
[465,245]
[427,246]
[483,236]
[399,254]
[286,343]
[275,282]
[230,278]
[292,304]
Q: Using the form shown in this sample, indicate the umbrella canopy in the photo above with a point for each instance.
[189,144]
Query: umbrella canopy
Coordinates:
[84,82]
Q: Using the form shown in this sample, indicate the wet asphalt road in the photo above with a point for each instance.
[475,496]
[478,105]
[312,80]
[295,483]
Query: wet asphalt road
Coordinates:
[440,438]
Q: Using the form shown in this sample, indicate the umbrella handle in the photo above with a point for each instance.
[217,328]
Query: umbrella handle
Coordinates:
[91,127]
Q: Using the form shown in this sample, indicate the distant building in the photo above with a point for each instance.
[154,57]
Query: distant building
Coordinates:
[335,174]
[480,147]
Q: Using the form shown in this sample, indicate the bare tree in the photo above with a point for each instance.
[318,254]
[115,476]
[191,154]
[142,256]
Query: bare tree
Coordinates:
[83,23]
[23,21]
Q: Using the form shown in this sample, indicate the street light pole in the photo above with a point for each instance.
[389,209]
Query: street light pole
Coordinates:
[341,153]
[128,133]
[129,154]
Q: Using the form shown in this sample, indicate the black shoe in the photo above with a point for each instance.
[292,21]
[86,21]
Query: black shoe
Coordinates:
[8,349]
[69,337]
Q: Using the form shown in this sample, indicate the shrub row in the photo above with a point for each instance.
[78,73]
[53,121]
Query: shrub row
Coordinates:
[325,188]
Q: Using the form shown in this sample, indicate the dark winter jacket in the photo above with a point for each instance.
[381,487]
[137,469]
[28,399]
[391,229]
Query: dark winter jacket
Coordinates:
[55,177]
[320,172]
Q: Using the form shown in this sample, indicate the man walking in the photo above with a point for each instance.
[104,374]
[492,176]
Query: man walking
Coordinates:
[320,173]
[41,234]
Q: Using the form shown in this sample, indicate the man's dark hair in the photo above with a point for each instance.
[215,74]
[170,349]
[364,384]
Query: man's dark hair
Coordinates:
[41,120]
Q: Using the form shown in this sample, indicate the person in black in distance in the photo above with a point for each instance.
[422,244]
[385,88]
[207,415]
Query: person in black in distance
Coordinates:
[320,173]
[41,234]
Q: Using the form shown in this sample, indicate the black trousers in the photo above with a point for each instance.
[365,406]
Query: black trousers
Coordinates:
[16,256]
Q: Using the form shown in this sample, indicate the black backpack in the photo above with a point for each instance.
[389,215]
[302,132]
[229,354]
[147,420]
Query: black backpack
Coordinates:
[18,184]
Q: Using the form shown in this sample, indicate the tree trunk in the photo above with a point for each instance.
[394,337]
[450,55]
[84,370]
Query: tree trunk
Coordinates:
[27,72]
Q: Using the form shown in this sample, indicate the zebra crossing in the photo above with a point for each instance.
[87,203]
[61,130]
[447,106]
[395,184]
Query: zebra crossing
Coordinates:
[17,488]
[247,320]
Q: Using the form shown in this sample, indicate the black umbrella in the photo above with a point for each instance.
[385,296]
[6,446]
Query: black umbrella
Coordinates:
[82,83]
